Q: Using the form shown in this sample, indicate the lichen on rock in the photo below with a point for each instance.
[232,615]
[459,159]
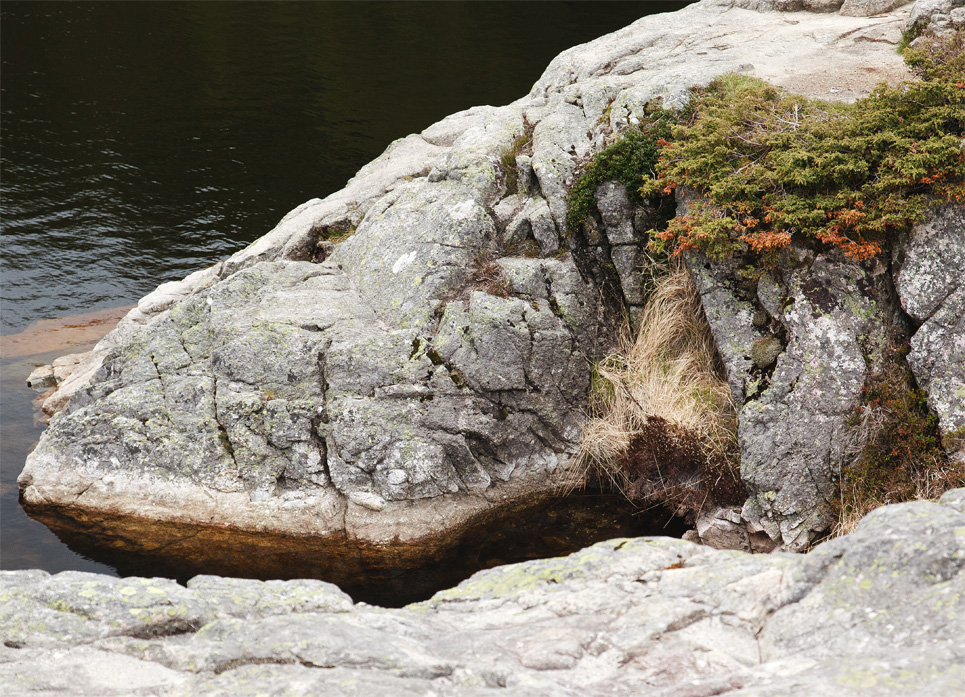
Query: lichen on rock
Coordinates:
[379,394]
[929,284]
[877,613]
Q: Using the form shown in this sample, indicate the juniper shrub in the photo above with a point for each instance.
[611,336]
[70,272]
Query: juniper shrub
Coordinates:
[770,167]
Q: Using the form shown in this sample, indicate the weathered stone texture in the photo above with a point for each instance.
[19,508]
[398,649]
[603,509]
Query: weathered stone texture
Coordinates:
[413,246]
[836,315]
[929,283]
[731,318]
[391,386]
[877,613]
[793,416]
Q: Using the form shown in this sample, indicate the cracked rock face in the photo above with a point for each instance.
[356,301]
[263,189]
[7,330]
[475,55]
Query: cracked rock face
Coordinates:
[793,417]
[929,284]
[876,613]
[278,398]
[792,433]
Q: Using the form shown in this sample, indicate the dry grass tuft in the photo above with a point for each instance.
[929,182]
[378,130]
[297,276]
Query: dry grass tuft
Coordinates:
[484,274]
[665,423]
[929,484]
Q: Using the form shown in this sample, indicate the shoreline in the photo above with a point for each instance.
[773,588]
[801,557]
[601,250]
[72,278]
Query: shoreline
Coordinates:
[62,333]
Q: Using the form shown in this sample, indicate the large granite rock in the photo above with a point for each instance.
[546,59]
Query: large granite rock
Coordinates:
[402,386]
[879,612]
[278,401]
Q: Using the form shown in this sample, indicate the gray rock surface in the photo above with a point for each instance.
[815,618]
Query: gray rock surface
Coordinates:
[822,55]
[793,417]
[534,222]
[850,8]
[294,238]
[60,370]
[415,246]
[41,377]
[201,421]
[877,613]
[731,319]
[935,17]
[390,388]
[929,283]
[868,8]
[792,433]
[724,528]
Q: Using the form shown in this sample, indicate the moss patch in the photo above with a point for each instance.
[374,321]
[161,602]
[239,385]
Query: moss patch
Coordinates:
[522,144]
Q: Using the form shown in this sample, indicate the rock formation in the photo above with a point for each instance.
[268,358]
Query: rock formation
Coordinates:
[834,316]
[401,366]
[929,283]
[395,365]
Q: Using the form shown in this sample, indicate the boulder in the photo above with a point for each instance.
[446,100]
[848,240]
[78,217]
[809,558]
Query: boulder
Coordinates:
[294,238]
[724,528]
[279,401]
[792,433]
[876,613]
[386,395]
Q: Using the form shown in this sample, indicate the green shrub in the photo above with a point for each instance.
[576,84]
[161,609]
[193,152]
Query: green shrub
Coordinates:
[771,167]
[630,161]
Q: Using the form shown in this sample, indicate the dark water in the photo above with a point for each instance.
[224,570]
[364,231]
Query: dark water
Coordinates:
[142,141]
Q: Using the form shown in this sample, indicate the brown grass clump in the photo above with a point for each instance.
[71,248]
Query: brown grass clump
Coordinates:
[665,424]
[484,274]
[487,275]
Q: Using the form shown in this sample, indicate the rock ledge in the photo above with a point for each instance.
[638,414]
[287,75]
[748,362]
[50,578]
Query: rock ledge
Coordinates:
[879,612]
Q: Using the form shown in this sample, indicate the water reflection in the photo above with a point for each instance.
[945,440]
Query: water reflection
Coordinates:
[390,575]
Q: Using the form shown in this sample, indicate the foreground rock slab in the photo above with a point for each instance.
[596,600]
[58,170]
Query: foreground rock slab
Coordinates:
[879,612]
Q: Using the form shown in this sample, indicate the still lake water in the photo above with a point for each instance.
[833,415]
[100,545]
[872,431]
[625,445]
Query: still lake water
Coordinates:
[143,141]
